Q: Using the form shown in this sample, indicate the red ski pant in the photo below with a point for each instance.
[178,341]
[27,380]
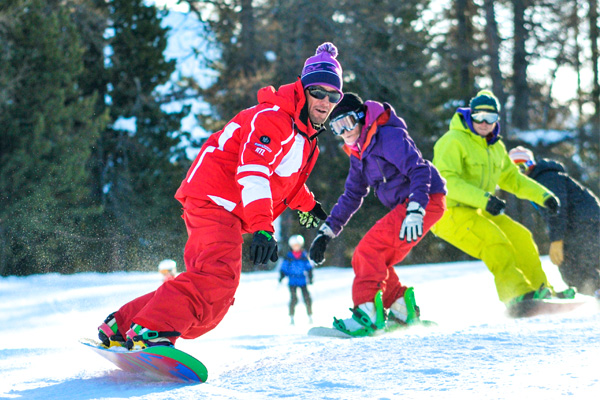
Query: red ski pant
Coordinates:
[381,248]
[196,300]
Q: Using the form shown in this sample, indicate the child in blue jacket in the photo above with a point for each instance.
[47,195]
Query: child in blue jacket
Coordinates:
[297,267]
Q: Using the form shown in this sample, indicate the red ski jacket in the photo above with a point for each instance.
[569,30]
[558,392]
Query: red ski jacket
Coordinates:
[257,165]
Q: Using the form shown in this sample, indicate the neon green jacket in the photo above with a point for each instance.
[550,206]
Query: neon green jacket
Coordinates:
[473,168]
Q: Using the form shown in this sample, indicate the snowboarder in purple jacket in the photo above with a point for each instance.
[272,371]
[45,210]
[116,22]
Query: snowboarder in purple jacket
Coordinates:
[383,157]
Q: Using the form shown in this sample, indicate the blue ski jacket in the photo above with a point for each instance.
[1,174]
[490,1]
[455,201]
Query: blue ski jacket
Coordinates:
[296,269]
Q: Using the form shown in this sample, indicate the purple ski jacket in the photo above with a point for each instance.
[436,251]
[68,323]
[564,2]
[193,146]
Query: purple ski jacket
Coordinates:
[387,160]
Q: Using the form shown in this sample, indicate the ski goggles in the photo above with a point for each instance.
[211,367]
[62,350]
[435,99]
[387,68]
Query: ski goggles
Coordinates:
[319,93]
[345,122]
[487,117]
[525,166]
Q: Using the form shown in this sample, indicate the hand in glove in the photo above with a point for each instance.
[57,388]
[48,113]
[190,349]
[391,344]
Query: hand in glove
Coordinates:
[311,219]
[556,252]
[263,248]
[319,245]
[495,205]
[552,203]
[412,226]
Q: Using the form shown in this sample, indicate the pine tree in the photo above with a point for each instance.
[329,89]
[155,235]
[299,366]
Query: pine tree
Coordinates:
[139,167]
[48,128]
[459,52]
[381,52]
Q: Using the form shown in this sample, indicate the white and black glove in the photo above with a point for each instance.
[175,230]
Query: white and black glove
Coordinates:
[319,245]
[412,227]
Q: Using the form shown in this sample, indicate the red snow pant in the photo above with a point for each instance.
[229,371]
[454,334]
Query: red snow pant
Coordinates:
[381,248]
[196,300]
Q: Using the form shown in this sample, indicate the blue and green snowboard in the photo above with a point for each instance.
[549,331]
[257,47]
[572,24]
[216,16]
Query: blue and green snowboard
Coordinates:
[158,362]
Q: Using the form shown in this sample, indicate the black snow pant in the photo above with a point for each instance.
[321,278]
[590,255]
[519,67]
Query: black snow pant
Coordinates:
[294,299]
[581,265]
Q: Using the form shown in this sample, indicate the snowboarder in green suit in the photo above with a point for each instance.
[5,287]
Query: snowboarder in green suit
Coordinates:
[473,160]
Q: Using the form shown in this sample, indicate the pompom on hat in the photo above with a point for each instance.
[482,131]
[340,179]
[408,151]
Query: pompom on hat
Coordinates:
[323,68]
[484,101]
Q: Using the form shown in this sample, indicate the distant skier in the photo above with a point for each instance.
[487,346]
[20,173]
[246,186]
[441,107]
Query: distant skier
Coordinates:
[384,157]
[168,269]
[575,230]
[297,267]
[473,160]
[244,177]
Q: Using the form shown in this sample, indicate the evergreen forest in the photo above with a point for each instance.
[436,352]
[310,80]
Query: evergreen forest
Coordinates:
[80,192]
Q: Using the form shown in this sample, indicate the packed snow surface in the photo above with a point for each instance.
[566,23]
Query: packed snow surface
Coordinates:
[476,352]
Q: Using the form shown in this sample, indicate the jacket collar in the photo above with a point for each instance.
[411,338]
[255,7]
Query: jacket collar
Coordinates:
[545,165]
[462,118]
[291,99]
[368,132]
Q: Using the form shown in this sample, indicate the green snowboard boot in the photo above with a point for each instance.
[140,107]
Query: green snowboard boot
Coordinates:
[404,311]
[542,293]
[366,318]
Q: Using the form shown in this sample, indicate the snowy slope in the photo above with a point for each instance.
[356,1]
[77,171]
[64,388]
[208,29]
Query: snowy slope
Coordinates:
[475,353]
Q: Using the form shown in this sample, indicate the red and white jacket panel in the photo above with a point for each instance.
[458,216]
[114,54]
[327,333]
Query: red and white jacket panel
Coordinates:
[257,165]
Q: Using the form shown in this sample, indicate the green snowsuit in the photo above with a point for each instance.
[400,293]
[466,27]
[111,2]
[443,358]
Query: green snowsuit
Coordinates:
[473,166]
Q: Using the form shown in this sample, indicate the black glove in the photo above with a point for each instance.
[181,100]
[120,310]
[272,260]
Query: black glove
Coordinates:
[312,218]
[319,245]
[263,248]
[552,203]
[281,276]
[495,205]
[310,276]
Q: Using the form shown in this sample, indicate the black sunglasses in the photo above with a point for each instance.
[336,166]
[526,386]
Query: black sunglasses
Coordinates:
[320,93]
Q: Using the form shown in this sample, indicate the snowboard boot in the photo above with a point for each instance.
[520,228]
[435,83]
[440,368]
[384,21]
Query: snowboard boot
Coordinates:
[108,333]
[404,311]
[542,293]
[139,338]
[366,318]
[566,294]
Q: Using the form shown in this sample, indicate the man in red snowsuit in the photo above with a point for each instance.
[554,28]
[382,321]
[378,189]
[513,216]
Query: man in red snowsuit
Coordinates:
[244,177]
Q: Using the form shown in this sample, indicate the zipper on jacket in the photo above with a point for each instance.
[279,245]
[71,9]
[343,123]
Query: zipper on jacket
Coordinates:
[380,170]
[489,165]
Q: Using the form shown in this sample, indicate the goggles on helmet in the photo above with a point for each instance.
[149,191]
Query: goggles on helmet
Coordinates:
[345,122]
[525,166]
[488,117]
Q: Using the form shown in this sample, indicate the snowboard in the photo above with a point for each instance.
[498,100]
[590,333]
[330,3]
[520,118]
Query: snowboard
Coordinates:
[158,362]
[531,308]
[332,332]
